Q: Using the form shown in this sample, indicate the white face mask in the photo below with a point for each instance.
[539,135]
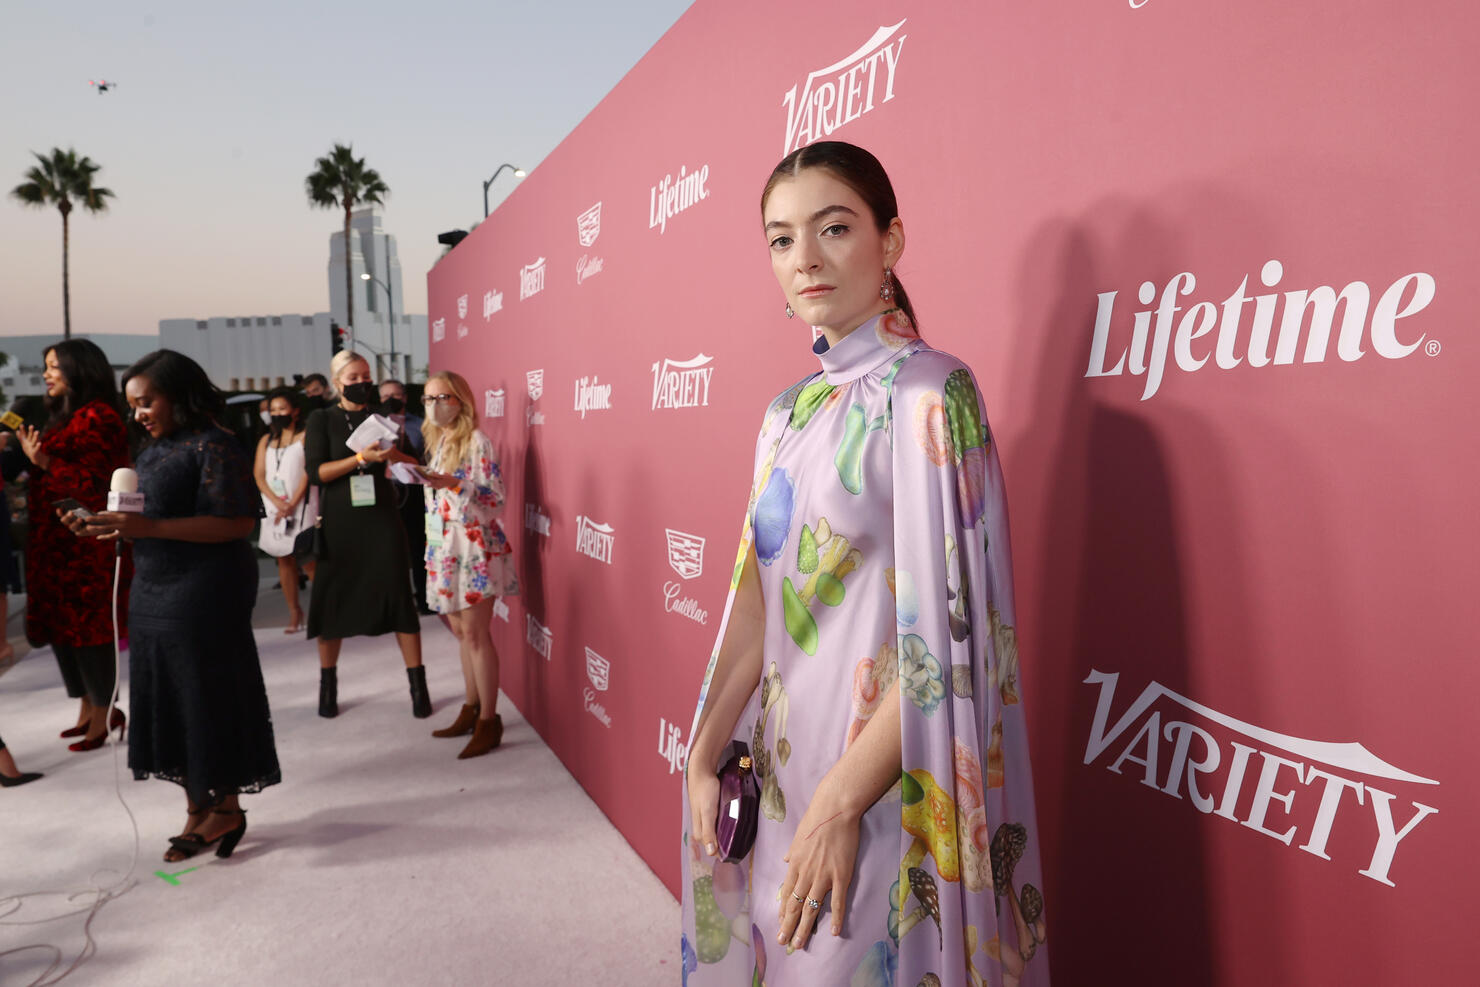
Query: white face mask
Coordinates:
[266,417]
[444,415]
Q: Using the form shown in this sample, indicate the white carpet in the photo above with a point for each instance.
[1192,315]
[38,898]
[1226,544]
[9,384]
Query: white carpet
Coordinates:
[380,859]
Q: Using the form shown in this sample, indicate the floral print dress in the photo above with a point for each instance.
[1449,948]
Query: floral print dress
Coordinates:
[878,515]
[472,560]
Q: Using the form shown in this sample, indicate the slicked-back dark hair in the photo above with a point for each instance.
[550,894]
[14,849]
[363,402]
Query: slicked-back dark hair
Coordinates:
[860,171]
[198,403]
[89,378]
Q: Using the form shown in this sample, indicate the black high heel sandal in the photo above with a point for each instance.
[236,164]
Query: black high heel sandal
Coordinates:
[194,843]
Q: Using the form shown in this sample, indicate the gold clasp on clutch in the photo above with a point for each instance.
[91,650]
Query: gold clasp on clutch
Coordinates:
[745,764]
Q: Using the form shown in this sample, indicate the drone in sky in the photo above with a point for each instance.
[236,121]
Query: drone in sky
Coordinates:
[103,84]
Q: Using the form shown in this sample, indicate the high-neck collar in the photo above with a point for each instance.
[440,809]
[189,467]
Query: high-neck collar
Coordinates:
[866,348]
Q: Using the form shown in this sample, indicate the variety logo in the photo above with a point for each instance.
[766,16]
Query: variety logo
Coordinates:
[588,225]
[598,670]
[592,396]
[1309,311]
[596,709]
[588,267]
[501,609]
[493,403]
[462,306]
[532,279]
[682,383]
[536,520]
[842,92]
[594,539]
[685,553]
[1317,774]
[538,635]
[535,379]
[439,330]
[672,196]
[670,745]
[493,301]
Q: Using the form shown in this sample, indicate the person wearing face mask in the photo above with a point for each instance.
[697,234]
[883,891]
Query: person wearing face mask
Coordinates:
[316,392]
[408,498]
[468,560]
[290,502]
[361,585]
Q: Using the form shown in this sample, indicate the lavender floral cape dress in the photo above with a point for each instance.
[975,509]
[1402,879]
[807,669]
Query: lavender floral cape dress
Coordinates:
[879,516]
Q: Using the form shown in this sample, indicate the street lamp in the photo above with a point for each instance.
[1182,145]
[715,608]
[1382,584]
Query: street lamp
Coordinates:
[518,173]
[391,312]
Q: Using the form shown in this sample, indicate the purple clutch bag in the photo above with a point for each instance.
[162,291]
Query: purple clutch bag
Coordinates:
[739,802]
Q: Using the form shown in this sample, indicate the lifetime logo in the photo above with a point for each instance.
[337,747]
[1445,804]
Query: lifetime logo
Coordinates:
[1313,777]
[671,197]
[594,539]
[493,301]
[682,383]
[462,306]
[439,330]
[1309,311]
[851,87]
[592,396]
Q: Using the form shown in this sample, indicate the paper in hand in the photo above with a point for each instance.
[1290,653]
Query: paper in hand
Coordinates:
[375,432]
[407,473]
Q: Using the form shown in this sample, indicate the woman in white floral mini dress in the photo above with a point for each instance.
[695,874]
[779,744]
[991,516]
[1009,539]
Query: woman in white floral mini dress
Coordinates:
[469,562]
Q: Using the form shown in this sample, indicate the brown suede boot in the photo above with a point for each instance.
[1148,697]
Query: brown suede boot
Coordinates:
[486,736]
[462,725]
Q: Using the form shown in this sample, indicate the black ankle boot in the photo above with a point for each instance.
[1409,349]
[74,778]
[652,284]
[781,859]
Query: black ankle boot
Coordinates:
[421,702]
[328,692]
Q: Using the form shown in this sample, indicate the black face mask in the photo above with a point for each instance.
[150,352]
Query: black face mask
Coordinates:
[315,401]
[361,393]
[393,406]
[280,422]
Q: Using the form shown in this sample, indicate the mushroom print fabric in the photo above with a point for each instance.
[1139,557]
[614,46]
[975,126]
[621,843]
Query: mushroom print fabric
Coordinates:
[879,517]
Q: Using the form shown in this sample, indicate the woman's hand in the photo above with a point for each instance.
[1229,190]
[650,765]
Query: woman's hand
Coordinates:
[821,861]
[440,481]
[31,444]
[112,525]
[703,805]
[280,506]
[75,523]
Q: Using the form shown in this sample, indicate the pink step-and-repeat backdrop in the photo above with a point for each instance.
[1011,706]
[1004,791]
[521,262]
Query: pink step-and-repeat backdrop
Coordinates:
[1213,264]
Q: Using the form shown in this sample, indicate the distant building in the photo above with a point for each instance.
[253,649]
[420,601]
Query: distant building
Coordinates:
[373,251]
[25,357]
[257,352]
[253,352]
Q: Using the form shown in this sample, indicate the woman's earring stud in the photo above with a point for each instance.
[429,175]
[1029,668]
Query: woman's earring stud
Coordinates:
[789,312]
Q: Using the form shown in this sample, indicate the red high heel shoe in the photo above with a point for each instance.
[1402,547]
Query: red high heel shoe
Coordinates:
[115,722]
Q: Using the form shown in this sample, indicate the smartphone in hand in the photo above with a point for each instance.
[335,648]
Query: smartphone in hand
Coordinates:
[72,506]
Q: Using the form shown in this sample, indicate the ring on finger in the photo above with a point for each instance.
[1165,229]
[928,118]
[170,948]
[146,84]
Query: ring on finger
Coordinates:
[796,896]
[813,904]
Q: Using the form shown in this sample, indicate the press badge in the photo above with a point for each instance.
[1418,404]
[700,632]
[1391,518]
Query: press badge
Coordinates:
[436,528]
[278,486]
[362,490]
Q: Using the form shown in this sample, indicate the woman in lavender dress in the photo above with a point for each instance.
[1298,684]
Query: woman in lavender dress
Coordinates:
[867,652]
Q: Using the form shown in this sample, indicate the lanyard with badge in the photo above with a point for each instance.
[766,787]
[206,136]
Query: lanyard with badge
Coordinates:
[436,523]
[361,484]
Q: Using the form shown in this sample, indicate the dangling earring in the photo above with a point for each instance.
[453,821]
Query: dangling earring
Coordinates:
[886,290]
[789,312]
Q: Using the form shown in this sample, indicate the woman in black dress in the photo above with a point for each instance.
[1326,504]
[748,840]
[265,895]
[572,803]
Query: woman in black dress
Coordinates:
[199,708]
[363,585]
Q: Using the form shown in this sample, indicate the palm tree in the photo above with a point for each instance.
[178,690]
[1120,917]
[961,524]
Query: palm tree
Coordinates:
[62,179]
[341,179]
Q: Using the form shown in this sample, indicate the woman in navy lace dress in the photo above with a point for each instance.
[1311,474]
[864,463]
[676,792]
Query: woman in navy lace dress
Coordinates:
[198,705]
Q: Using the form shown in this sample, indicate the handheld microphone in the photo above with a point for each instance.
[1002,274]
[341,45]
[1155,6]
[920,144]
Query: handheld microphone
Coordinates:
[123,492]
[11,419]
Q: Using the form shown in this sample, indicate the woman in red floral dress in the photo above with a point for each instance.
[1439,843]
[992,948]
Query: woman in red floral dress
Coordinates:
[69,580]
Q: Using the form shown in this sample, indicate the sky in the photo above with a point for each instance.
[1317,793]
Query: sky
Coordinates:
[221,110]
